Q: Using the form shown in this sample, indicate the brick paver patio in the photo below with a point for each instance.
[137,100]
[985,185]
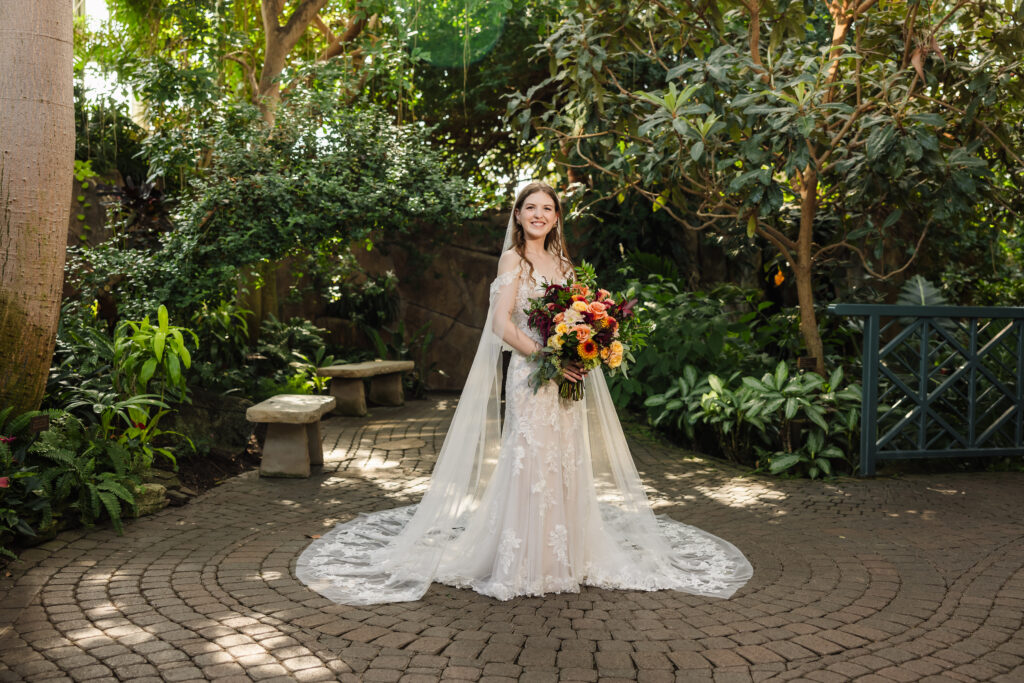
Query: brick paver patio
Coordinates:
[920,578]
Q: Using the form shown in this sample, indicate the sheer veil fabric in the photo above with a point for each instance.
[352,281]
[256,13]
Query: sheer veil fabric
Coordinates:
[545,503]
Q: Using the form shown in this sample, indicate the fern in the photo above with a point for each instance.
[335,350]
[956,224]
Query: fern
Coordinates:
[113,507]
[110,485]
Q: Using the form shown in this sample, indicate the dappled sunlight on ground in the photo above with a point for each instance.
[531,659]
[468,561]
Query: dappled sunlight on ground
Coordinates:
[888,579]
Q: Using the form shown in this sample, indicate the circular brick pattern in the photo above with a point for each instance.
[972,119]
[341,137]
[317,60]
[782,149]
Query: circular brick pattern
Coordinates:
[913,579]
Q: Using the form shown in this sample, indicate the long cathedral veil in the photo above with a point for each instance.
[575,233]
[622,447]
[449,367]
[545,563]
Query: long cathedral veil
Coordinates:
[394,555]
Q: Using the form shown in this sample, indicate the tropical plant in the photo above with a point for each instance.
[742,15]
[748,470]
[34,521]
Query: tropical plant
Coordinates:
[23,508]
[785,419]
[144,353]
[77,474]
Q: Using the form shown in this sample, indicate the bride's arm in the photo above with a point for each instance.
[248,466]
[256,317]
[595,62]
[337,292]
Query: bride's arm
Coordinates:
[502,324]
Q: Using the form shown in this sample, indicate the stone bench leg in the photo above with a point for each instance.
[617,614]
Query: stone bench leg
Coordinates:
[386,390]
[315,442]
[351,400]
[287,451]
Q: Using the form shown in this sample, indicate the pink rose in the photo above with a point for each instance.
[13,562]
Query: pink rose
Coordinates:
[5,482]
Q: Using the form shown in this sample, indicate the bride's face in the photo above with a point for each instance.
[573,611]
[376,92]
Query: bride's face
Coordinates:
[538,215]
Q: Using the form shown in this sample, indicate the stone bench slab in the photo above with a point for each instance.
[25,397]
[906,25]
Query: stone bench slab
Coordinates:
[291,409]
[367,369]
[385,384]
[293,441]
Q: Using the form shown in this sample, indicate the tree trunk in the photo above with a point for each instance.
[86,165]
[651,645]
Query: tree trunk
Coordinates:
[37,154]
[802,268]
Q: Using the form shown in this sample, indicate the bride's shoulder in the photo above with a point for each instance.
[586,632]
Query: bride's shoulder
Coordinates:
[510,262]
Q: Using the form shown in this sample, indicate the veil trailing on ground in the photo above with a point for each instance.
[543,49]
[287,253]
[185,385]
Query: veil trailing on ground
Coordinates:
[394,555]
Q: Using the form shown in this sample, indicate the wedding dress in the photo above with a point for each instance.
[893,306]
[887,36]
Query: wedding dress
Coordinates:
[546,502]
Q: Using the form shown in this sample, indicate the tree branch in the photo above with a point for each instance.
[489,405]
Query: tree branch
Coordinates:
[250,72]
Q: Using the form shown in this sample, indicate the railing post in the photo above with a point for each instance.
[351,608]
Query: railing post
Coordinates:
[869,395]
[1018,431]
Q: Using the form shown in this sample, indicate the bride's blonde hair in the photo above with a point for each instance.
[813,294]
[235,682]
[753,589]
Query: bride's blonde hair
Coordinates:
[554,242]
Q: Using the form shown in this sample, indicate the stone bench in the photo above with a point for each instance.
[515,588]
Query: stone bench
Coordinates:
[385,384]
[293,433]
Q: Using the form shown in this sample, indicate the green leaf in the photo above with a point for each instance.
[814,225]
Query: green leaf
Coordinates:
[159,339]
[148,368]
[784,462]
[754,384]
[173,368]
[161,315]
[791,406]
[697,151]
[716,384]
[816,416]
[781,374]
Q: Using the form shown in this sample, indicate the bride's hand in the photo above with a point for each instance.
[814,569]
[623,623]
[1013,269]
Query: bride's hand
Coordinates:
[573,372]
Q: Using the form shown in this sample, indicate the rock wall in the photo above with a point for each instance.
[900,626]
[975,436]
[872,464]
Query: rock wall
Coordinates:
[446,288]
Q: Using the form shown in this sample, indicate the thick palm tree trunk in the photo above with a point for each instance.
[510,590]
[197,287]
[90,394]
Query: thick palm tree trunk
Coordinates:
[37,154]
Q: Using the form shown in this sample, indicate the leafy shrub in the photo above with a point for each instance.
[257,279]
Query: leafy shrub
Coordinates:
[725,330]
[793,422]
[102,379]
[144,354]
[22,505]
[87,473]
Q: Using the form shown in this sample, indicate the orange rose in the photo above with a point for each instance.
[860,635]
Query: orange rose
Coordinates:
[582,332]
[603,294]
[580,289]
[596,309]
[559,317]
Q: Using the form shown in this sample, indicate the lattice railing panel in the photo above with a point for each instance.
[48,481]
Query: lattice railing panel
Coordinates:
[940,381]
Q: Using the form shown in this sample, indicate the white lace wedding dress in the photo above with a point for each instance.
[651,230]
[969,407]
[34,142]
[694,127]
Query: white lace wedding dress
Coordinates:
[551,504]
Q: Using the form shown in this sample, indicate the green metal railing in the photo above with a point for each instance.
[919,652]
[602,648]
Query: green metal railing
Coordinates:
[940,381]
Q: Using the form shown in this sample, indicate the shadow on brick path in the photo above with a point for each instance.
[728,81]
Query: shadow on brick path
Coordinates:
[920,578]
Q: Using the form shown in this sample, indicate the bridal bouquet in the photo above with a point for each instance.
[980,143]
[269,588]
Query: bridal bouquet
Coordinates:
[582,324]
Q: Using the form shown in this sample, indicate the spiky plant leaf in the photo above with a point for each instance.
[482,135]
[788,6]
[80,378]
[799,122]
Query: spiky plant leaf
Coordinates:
[918,291]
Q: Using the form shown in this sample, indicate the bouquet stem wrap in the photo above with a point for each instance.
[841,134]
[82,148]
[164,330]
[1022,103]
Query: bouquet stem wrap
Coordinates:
[572,391]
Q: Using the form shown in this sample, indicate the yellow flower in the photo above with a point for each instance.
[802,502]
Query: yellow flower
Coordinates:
[614,360]
[579,306]
[561,328]
[604,353]
[616,347]
[555,341]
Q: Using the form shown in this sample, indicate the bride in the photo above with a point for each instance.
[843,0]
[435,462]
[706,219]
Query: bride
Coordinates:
[544,503]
